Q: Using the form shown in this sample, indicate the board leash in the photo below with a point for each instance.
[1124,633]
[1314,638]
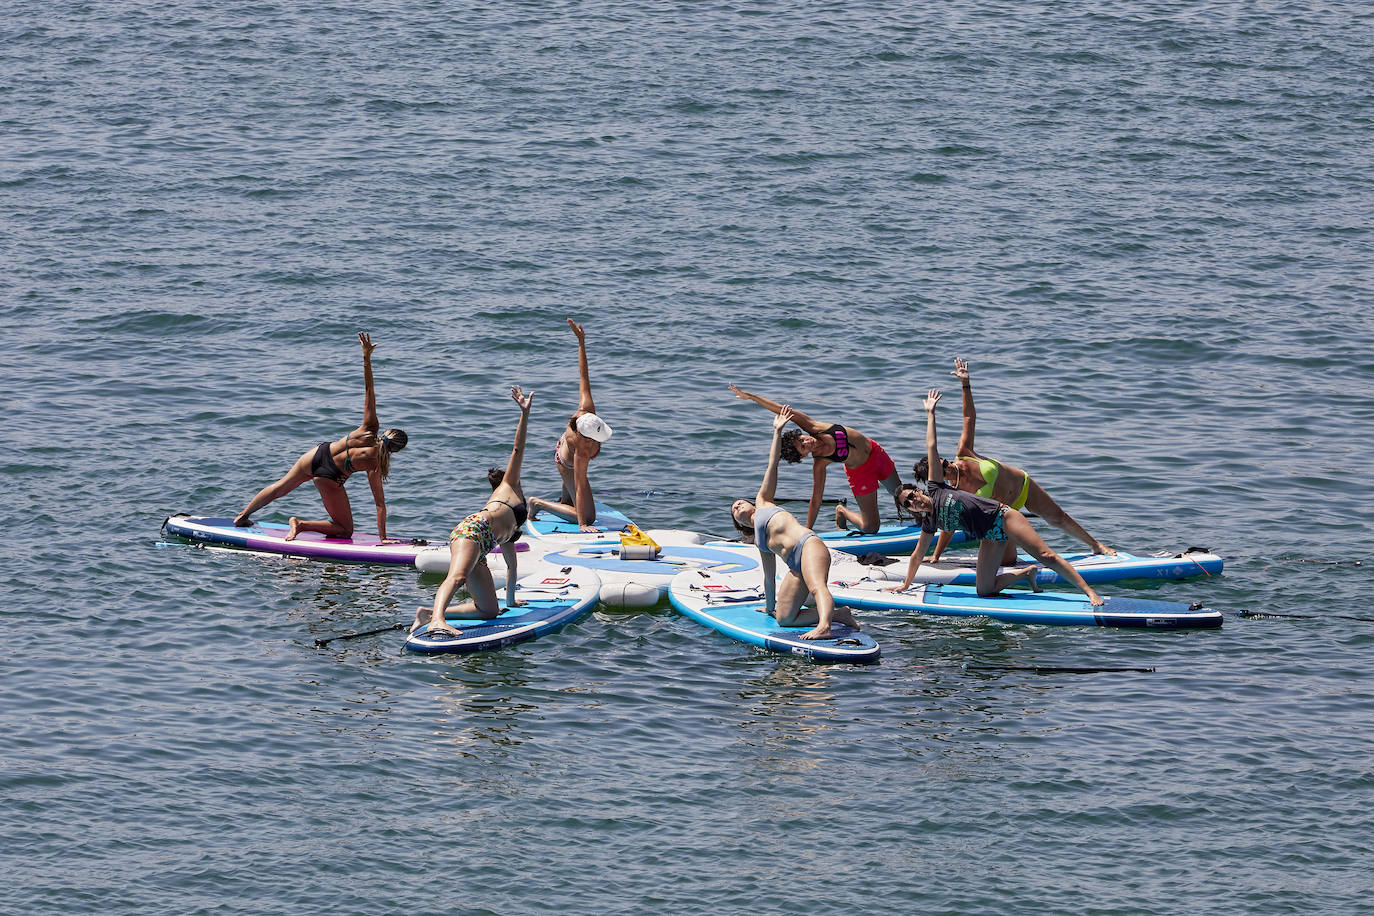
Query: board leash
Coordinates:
[1245,612]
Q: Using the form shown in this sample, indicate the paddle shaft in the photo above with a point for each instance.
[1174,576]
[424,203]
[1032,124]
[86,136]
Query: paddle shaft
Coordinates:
[327,640]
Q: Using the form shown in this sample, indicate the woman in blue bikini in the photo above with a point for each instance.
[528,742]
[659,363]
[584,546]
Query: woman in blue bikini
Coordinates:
[995,525]
[973,473]
[330,464]
[774,530]
[497,524]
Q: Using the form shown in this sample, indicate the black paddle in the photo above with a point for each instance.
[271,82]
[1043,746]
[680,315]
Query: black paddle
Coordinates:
[1248,613]
[328,639]
[1051,669]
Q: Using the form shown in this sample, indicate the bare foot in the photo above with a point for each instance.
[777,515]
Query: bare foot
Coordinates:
[424,618]
[534,506]
[242,521]
[818,633]
[840,521]
[1031,575]
[842,615]
[293,529]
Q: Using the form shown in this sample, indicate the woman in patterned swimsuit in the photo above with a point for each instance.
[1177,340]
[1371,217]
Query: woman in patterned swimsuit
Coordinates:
[497,524]
[994,524]
[364,449]
[973,473]
[865,463]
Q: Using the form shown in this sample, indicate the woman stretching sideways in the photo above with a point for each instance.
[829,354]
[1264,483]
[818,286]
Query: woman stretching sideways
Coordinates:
[496,523]
[775,531]
[579,444]
[973,473]
[994,524]
[865,464]
[330,464]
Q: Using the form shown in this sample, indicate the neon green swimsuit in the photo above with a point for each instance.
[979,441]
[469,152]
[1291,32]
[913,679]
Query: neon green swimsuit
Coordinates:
[990,469]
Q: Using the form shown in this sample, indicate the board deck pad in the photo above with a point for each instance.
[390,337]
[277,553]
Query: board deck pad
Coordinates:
[888,539]
[553,599]
[1017,606]
[1094,568]
[609,521]
[732,604]
[270,537]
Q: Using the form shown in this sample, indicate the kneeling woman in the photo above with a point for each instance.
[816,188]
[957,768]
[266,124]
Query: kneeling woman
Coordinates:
[330,464]
[993,523]
[498,523]
[776,531]
[865,463]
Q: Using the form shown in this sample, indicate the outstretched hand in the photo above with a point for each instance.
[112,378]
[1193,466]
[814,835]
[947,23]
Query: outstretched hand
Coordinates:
[783,418]
[932,399]
[366,341]
[742,395]
[960,369]
[577,329]
[521,398]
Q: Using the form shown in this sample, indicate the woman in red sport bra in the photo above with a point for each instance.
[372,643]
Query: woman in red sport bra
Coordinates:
[865,462]
[579,444]
[330,464]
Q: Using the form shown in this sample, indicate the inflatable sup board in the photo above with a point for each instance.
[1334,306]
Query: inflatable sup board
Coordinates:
[1092,567]
[625,581]
[552,599]
[732,603]
[888,539]
[1056,608]
[270,537]
[609,522]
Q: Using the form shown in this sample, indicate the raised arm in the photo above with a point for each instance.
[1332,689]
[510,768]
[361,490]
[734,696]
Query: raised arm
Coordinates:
[370,422]
[970,416]
[937,470]
[811,426]
[517,451]
[769,488]
[584,378]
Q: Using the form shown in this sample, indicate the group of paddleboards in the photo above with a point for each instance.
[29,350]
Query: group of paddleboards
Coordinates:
[580,552]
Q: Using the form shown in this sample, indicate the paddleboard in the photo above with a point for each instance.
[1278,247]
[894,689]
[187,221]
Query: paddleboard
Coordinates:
[625,581]
[553,599]
[1055,608]
[609,521]
[1094,568]
[732,604]
[888,539]
[270,537]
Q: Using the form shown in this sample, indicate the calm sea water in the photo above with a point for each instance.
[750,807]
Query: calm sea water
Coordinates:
[1146,226]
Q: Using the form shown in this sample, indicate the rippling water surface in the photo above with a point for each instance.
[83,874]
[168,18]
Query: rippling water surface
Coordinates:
[1147,228]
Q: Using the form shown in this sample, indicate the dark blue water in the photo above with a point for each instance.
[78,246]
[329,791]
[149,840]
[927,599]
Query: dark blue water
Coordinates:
[1146,227]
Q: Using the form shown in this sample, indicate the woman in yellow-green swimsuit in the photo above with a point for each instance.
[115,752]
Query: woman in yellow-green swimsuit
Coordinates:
[973,473]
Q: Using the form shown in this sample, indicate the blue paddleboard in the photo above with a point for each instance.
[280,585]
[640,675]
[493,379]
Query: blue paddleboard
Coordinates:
[1054,608]
[888,539]
[552,599]
[609,522]
[732,603]
[1093,568]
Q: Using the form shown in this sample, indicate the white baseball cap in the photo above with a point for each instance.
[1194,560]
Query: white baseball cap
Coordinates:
[593,427]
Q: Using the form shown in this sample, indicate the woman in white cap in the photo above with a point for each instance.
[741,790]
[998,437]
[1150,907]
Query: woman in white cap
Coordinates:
[579,444]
